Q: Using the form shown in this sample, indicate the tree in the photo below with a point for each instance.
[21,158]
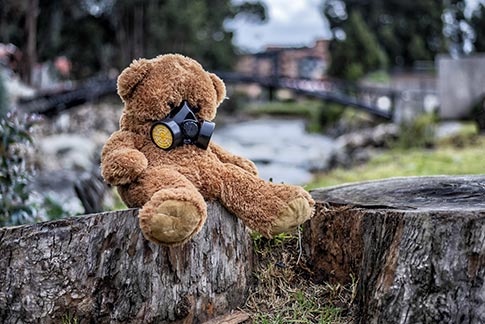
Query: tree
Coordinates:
[357,54]
[407,30]
[97,35]
[477,23]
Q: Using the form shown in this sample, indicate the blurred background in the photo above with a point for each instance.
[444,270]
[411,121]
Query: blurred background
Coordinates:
[321,92]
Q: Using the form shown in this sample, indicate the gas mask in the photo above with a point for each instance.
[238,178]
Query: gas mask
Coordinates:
[180,127]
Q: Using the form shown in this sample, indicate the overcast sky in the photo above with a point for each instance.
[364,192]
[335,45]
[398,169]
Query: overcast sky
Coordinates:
[290,22]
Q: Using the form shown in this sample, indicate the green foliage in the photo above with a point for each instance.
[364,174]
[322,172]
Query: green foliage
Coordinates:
[454,19]
[53,209]
[478,113]
[406,30]
[329,115]
[380,76]
[357,54]
[69,319]
[467,136]
[318,114]
[238,100]
[14,173]
[262,244]
[477,23]
[419,132]
[104,34]
[118,203]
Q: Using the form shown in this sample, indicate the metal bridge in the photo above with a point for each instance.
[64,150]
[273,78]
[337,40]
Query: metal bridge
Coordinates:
[377,101]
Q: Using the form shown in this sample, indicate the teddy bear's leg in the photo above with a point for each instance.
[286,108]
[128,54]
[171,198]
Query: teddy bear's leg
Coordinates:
[266,207]
[175,212]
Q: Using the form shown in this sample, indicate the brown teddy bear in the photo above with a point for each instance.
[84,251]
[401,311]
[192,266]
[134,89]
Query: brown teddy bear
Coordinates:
[161,159]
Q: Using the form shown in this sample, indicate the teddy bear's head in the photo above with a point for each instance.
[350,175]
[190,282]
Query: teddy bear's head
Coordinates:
[151,88]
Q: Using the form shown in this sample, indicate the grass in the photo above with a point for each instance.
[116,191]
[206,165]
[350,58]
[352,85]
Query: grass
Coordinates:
[283,294]
[452,156]
[69,319]
[304,108]
[317,113]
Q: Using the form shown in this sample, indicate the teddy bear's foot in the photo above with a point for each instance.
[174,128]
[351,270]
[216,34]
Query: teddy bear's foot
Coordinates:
[172,222]
[295,213]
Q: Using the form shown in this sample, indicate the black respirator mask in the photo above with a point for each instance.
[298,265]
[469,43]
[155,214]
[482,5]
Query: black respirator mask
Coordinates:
[181,126]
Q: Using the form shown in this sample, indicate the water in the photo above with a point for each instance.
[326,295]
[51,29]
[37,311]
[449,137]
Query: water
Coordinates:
[281,148]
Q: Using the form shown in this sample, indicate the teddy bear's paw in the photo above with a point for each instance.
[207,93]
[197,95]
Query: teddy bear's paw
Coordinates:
[295,213]
[172,222]
[123,166]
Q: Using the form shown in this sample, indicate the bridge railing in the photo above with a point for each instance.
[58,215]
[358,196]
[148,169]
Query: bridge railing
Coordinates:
[375,100]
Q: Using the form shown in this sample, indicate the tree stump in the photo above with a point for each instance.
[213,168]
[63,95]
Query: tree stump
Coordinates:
[100,269]
[416,245]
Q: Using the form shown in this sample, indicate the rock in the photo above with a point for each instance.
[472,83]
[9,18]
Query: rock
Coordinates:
[448,129]
[67,151]
[373,137]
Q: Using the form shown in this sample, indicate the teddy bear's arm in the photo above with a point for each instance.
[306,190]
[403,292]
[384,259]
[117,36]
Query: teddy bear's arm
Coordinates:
[227,157]
[121,162]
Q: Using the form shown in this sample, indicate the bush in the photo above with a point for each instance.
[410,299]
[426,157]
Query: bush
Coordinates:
[478,113]
[418,133]
[319,114]
[235,103]
[14,172]
[330,114]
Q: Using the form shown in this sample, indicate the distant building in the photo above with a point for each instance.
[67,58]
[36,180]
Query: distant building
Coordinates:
[292,62]
[461,84]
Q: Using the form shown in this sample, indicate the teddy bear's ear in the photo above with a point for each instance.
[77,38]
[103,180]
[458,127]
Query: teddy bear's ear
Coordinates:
[219,86]
[131,77]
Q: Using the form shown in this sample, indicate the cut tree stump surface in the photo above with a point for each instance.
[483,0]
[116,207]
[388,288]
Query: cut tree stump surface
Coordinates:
[438,193]
[100,269]
[416,245]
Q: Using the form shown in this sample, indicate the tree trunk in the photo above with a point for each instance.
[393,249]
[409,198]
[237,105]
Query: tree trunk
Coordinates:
[138,32]
[100,269]
[416,245]
[31,44]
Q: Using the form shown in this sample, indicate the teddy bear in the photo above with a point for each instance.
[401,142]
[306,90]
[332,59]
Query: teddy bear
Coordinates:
[163,162]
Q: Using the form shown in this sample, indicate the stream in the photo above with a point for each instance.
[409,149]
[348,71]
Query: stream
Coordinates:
[281,148]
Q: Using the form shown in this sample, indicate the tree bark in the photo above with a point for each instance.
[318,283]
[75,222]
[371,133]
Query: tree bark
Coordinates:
[416,245]
[31,43]
[100,269]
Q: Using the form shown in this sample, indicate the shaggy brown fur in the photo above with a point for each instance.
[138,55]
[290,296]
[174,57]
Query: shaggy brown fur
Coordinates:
[170,186]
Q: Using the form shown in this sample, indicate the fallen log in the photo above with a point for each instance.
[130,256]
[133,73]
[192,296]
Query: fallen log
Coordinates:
[416,245]
[99,269]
